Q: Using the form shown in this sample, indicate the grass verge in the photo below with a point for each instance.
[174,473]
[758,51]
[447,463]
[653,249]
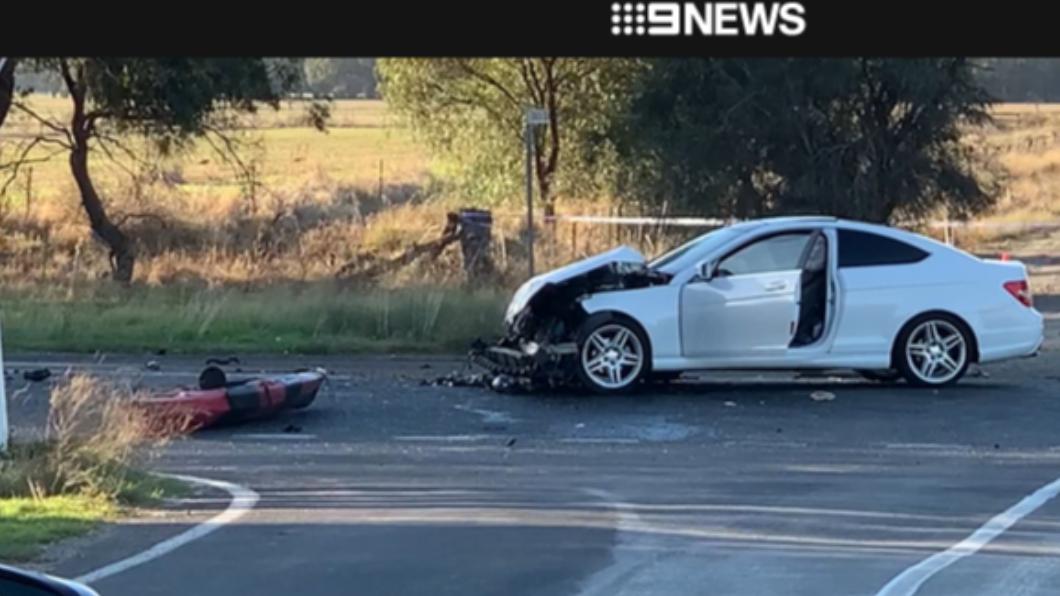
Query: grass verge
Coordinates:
[83,472]
[315,319]
[28,524]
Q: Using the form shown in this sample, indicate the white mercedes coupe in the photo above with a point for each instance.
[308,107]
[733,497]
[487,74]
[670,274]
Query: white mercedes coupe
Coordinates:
[790,293]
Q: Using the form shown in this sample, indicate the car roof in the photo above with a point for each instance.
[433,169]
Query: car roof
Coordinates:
[919,240]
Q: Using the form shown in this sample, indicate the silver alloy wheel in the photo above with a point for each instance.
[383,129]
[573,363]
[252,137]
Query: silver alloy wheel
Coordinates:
[612,356]
[936,351]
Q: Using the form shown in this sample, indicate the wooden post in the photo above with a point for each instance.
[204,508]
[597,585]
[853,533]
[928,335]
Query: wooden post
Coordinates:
[29,191]
[3,395]
[574,240]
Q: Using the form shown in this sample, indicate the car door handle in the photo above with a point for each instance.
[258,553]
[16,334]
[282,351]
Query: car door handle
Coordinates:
[776,286]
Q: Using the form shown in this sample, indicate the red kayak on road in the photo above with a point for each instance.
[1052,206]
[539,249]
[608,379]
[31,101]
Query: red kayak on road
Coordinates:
[218,401]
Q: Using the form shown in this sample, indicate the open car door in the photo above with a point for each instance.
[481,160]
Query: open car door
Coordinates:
[749,308]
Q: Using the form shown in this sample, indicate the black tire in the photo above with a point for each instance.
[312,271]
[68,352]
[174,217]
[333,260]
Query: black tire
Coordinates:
[604,322]
[902,359]
[886,376]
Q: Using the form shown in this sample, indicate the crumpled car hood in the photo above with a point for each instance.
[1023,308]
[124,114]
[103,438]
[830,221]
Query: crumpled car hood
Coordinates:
[622,254]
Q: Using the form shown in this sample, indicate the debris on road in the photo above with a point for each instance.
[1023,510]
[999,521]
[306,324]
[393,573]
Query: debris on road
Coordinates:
[37,375]
[218,400]
[502,383]
[222,361]
[822,396]
[292,428]
[458,378]
[730,404]
[511,442]
[153,365]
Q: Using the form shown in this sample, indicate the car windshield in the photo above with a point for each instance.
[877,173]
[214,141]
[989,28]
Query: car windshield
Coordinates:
[687,254]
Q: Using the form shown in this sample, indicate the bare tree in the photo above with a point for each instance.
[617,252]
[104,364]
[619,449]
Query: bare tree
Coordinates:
[7,85]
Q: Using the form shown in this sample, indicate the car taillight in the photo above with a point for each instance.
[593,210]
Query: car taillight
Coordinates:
[1021,291]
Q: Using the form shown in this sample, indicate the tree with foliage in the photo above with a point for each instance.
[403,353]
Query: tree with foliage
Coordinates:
[341,77]
[471,110]
[861,138]
[167,101]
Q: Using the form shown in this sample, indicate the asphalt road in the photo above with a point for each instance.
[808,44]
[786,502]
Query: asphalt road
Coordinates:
[736,484]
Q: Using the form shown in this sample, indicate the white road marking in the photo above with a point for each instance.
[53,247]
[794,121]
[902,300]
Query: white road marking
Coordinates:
[596,440]
[627,558]
[275,436]
[909,581]
[445,438]
[243,500]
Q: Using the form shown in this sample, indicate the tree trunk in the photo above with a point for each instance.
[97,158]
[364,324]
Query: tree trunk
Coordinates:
[122,255]
[7,86]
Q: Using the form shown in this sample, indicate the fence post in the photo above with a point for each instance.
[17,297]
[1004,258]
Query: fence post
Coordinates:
[3,395]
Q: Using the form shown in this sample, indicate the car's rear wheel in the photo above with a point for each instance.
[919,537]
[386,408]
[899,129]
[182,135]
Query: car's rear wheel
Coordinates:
[613,354]
[933,350]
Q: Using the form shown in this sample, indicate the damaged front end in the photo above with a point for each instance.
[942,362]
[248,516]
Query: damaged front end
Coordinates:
[545,315]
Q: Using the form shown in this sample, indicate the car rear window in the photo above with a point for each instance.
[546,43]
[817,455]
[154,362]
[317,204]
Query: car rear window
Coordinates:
[865,249]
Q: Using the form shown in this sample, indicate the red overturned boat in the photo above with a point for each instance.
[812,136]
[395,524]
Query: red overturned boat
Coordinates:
[220,401]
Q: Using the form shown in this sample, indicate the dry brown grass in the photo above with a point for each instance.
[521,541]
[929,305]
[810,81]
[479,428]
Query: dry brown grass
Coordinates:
[316,203]
[93,439]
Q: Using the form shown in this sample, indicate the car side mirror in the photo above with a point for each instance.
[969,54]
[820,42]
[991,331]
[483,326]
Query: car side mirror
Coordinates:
[707,269]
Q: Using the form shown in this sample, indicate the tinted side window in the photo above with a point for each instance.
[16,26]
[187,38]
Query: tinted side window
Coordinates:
[776,253]
[863,249]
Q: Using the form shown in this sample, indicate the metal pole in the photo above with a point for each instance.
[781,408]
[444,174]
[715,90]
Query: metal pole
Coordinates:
[530,194]
[3,395]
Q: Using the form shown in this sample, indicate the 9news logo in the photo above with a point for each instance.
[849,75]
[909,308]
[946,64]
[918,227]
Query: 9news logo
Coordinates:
[719,19]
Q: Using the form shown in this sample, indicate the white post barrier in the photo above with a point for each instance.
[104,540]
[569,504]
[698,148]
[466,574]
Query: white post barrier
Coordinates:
[3,395]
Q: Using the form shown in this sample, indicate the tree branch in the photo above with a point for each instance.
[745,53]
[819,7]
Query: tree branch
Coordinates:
[49,124]
[466,67]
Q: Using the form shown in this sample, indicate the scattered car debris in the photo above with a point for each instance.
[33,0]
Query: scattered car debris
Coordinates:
[223,361]
[502,383]
[153,365]
[161,352]
[292,428]
[730,404]
[37,375]
[822,396]
[511,442]
[460,378]
[425,366]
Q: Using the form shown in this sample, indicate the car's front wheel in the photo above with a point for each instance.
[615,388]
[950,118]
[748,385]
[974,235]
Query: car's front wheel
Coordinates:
[933,350]
[613,354]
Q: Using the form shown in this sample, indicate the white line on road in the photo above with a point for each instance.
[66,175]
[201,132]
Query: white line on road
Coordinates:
[445,438]
[627,558]
[909,581]
[600,441]
[274,436]
[243,500]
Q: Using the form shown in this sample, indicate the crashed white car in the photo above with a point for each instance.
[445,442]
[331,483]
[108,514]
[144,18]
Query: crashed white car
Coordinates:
[791,293]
